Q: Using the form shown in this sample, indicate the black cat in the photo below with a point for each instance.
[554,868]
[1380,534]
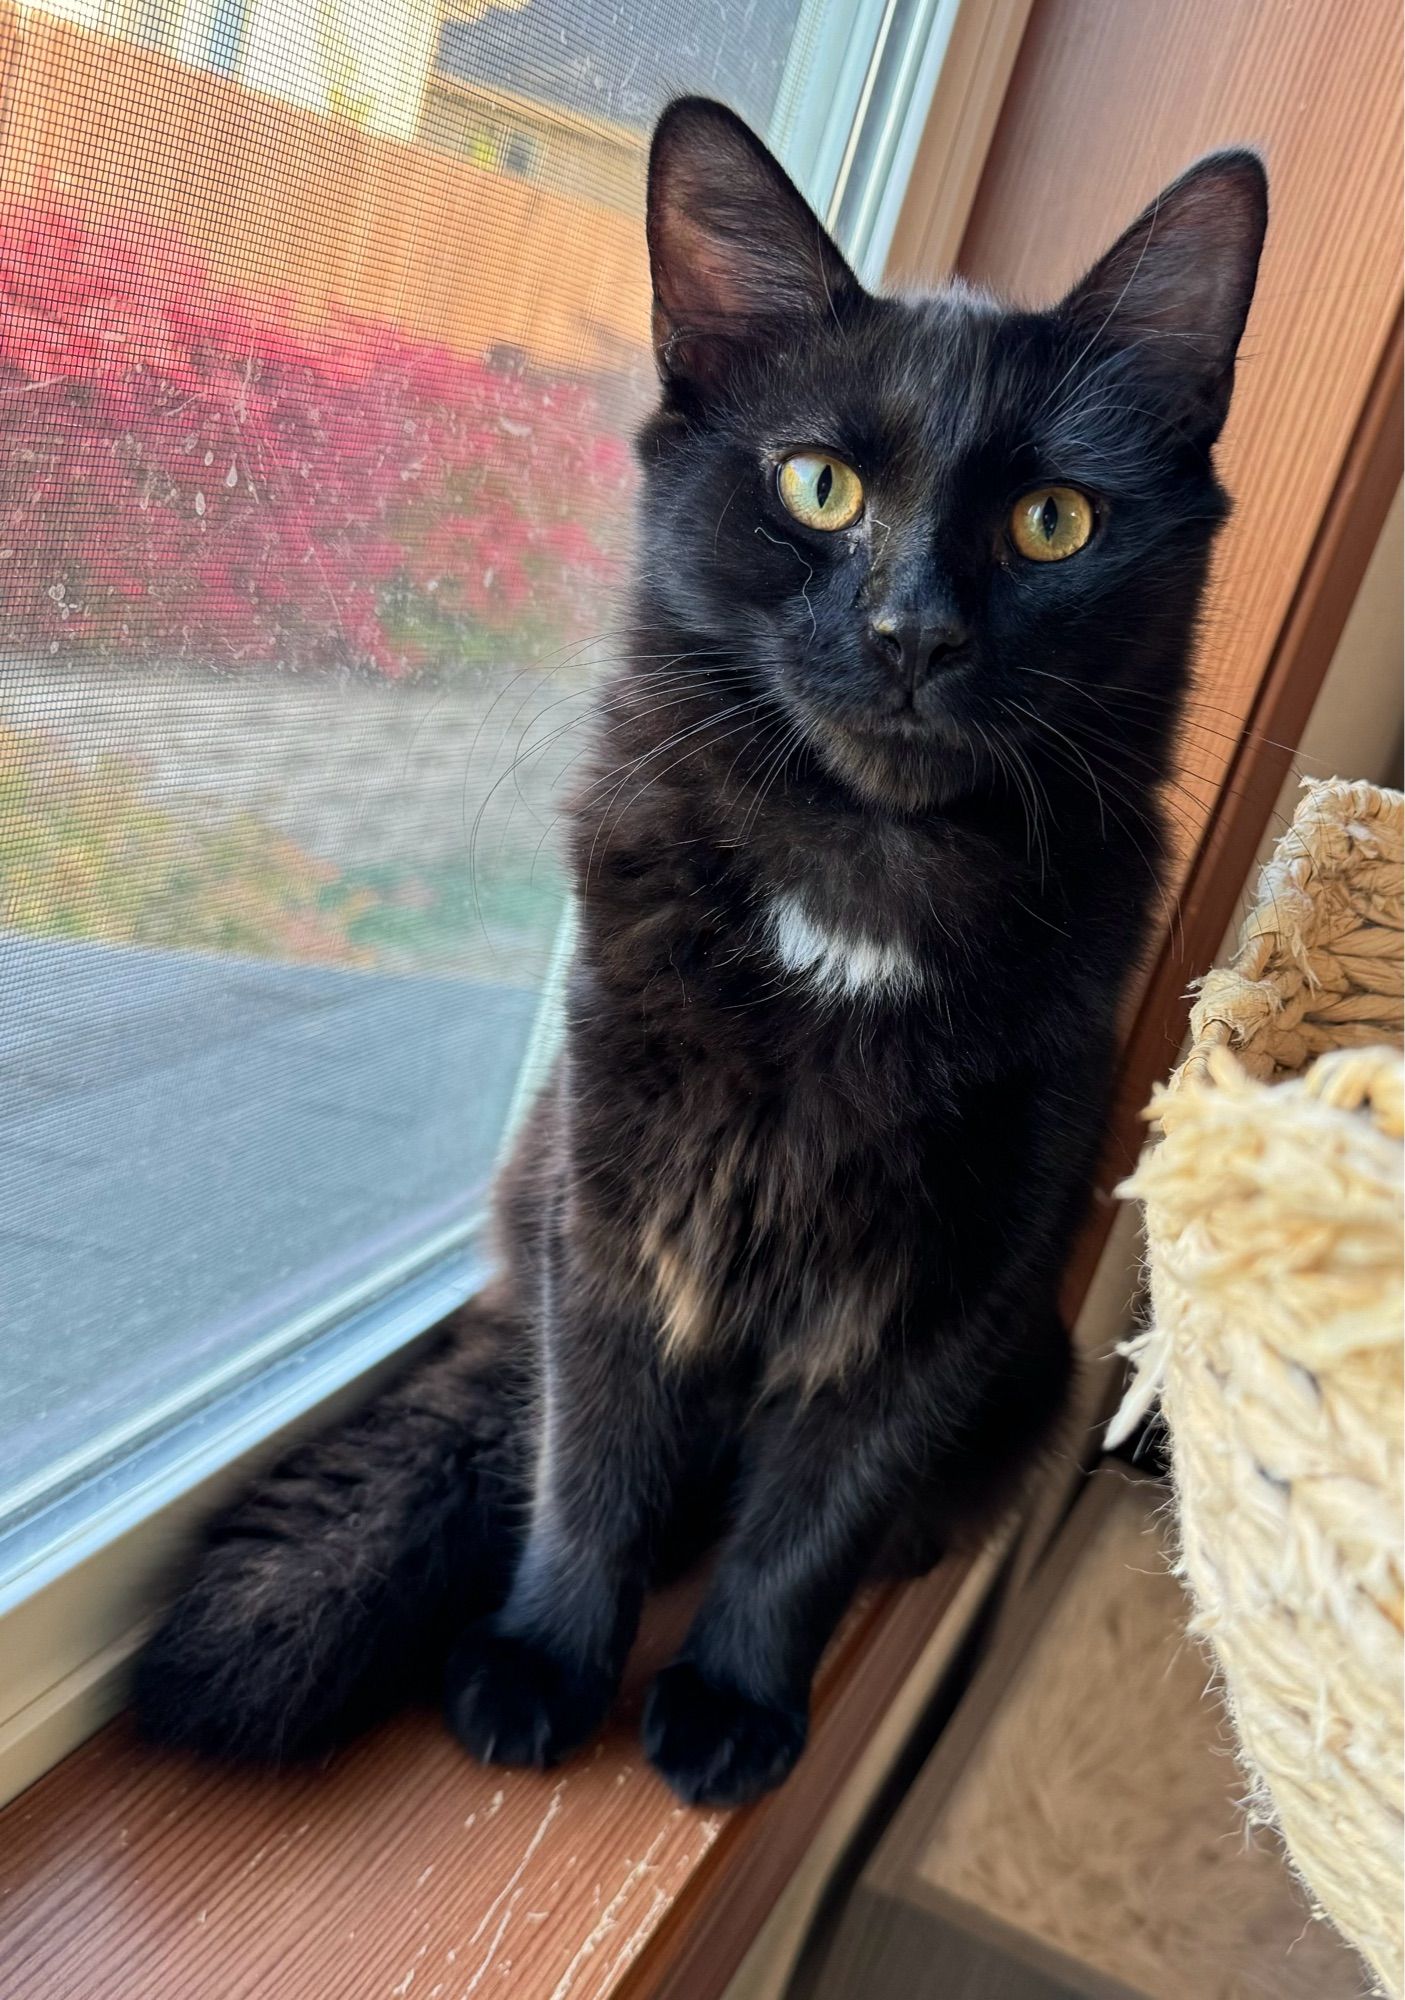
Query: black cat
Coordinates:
[864,859]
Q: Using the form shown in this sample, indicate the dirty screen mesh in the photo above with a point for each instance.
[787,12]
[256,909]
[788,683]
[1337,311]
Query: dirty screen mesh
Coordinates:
[320,339]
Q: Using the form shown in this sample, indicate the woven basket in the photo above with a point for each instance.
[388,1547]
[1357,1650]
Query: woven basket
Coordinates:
[1273,1219]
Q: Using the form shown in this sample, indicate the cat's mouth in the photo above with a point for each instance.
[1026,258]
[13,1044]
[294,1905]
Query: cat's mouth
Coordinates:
[900,747]
[907,715]
[885,708]
[910,715]
[898,754]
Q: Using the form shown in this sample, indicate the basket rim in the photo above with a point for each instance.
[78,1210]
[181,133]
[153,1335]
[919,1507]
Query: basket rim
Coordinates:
[1294,944]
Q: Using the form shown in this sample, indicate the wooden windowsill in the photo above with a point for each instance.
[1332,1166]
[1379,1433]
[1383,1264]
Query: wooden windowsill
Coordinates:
[402,1869]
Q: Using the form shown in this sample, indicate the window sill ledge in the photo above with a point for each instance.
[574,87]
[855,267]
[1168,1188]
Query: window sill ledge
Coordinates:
[417,1874]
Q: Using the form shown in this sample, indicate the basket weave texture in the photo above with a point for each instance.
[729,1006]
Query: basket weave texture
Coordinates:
[1273,1206]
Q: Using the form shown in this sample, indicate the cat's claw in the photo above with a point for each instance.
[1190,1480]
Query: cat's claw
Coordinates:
[714,1745]
[509,1702]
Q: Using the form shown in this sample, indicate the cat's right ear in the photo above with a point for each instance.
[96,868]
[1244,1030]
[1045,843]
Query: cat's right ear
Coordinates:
[735,251]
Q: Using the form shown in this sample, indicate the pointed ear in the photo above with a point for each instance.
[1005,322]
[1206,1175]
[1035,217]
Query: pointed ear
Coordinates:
[734,248]
[1177,286]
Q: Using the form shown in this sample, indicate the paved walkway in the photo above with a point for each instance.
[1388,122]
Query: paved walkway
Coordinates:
[195,1149]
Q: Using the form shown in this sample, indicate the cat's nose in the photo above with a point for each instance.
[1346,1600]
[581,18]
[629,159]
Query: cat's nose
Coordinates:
[915,646]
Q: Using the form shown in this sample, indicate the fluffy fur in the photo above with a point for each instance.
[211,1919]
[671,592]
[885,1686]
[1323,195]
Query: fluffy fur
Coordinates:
[864,856]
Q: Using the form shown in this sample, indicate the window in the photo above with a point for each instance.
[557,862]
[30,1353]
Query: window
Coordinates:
[322,331]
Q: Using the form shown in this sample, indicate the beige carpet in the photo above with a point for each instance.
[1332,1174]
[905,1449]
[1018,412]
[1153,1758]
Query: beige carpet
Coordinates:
[1101,1812]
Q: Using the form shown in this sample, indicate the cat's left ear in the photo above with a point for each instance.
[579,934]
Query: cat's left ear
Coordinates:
[735,250]
[1177,286]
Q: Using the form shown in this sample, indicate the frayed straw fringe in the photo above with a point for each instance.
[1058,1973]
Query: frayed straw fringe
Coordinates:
[1273,1218]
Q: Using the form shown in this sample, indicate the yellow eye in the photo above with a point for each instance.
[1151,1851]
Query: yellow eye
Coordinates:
[1050,523]
[822,492]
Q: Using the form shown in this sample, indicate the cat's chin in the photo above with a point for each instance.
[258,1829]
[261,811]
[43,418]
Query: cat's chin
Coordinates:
[897,763]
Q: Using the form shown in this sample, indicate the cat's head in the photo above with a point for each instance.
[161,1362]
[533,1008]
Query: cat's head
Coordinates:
[934,527]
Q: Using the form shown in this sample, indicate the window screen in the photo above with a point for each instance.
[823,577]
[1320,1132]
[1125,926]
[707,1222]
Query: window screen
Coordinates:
[321,335]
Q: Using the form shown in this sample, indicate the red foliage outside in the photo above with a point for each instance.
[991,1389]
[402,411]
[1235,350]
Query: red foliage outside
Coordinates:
[186,474]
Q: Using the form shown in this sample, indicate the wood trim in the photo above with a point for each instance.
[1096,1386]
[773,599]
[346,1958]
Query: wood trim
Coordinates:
[1361,497]
[1109,102]
[961,120]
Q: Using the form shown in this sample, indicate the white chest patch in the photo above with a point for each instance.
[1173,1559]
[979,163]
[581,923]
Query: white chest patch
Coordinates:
[839,964]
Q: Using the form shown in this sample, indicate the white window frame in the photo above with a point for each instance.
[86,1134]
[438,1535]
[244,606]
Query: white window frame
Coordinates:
[79,1582]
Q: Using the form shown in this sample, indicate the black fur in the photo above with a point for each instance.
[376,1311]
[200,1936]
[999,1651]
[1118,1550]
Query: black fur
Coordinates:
[327,1594]
[780,1263]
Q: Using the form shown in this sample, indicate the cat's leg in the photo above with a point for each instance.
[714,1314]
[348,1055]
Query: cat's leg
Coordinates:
[531,1683]
[729,1718]
[972,1476]
[318,1599]
[826,1478]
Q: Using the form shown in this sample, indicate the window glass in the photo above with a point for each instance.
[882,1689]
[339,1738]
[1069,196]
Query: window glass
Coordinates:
[321,336]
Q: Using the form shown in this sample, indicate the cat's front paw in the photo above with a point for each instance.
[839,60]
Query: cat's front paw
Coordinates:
[510,1702]
[714,1745]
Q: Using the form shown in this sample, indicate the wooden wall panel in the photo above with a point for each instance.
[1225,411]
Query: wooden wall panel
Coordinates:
[1110,99]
